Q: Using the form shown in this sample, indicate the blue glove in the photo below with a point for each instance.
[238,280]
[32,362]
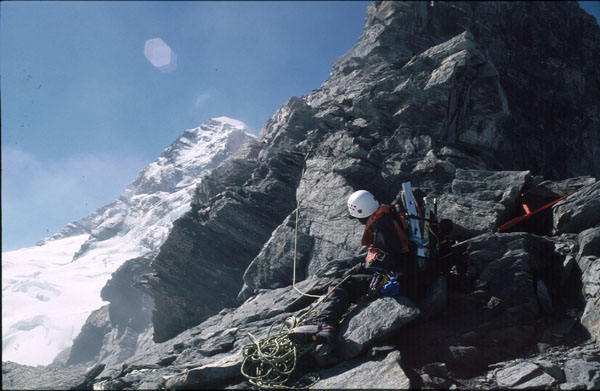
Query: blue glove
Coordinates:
[390,289]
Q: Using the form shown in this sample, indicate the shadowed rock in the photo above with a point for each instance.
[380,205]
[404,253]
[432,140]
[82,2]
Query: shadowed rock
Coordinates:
[373,321]
[578,211]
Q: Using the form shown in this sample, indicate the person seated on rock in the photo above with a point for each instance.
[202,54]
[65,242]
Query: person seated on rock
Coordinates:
[390,267]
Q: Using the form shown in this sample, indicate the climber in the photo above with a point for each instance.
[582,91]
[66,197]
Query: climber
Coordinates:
[390,266]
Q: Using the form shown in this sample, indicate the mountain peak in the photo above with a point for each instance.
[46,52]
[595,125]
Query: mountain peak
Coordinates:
[226,121]
[90,249]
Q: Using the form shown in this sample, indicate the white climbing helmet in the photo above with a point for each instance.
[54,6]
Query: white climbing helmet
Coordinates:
[362,204]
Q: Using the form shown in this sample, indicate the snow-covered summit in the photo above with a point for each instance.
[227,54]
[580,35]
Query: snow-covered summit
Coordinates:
[49,290]
[194,153]
[226,121]
[163,186]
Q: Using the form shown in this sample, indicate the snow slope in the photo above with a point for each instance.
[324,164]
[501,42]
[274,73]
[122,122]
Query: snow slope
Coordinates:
[49,290]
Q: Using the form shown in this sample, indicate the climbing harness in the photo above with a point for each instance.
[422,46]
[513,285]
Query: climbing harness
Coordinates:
[375,254]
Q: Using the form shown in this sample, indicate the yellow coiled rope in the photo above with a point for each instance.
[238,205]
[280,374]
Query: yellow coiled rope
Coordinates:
[270,362]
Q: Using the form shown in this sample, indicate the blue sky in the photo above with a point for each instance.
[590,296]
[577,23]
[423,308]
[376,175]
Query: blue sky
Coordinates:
[83,110]
[592,8]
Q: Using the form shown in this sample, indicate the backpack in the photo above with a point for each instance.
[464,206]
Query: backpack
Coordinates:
[423,223]
[408,228]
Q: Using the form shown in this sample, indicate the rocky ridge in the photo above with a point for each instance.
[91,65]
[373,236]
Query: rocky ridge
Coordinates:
[416,99]
[123,327]
[439,94]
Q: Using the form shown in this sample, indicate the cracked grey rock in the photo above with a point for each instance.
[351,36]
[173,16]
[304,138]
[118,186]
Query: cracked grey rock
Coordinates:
[578,211]
[372,321]
[510,377]
[380,373]
[579,371]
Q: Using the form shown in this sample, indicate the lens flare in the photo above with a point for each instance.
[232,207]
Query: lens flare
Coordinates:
[160,55]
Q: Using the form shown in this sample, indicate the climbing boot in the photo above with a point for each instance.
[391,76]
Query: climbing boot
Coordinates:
[307,334]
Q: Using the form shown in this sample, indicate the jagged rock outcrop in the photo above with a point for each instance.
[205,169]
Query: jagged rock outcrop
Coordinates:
[21,377]
[590,269]
[122,328]
[430,94]
[578,211]
[486,106]
[429,89]
[365,325]
[563,368]
[480,200]
[360,374]
[201,244]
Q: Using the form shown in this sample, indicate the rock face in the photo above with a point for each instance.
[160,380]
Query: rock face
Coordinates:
[578,211]
[480,200]
[122,328]
[488,107]
[361,329]
[590,267]
[21,377]
[389,375]
[201,244]
[430,89]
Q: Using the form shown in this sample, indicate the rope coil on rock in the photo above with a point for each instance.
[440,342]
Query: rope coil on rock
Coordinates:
[269,362]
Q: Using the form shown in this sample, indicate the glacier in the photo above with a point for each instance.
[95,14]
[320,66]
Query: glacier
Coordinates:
[49,290]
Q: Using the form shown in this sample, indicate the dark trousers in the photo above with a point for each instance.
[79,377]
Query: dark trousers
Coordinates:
[356,287]
[340,299]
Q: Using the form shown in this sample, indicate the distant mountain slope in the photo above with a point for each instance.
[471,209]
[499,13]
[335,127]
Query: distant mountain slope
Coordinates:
[49,290]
